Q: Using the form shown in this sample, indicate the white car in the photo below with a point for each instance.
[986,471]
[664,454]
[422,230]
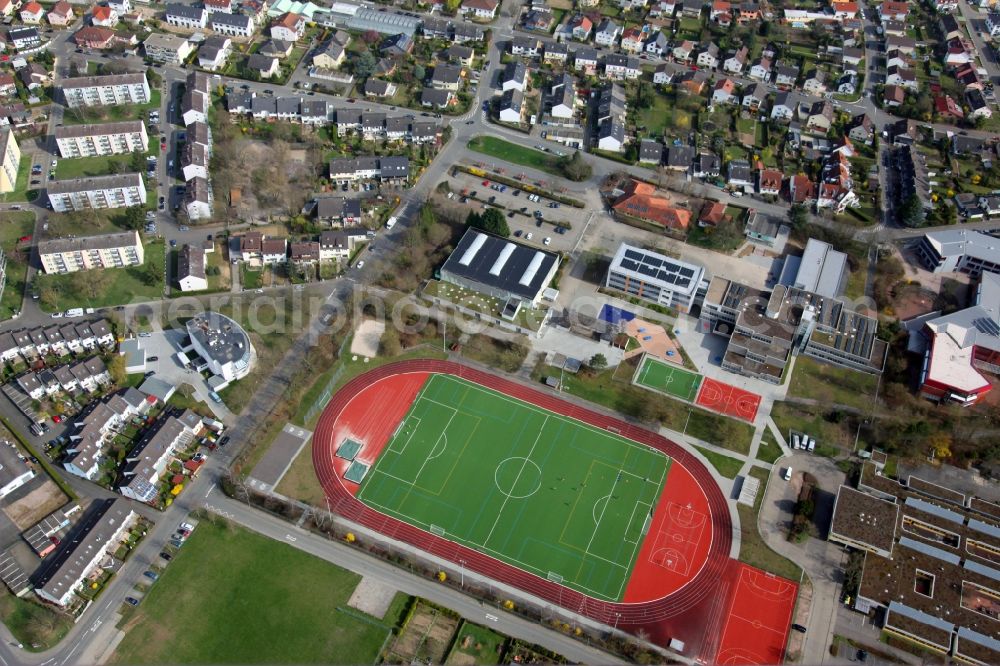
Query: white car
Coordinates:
[57,315]
[547,240]
[527,236]
[54,163]
[788,474]
[360,264]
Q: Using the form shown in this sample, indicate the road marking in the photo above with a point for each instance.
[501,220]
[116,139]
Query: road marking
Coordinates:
[210,489]
[289,537]
[97,623]
[492,618]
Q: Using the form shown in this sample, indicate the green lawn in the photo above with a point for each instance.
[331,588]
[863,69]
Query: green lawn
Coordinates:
[113,113]
[856,280]
[20,192]
[727,466]
[555,497]
[511,152]
[753,549]
[31,623]
[663,118]
[768,451]
[230,596]
[251,279]
[125,285]
[14,225]
[83,167]
[831,384]
[483,645]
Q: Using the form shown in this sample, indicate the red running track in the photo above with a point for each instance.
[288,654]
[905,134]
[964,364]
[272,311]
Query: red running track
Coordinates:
[343,501]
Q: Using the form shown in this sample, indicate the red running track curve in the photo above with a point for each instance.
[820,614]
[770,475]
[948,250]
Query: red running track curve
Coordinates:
[343,501]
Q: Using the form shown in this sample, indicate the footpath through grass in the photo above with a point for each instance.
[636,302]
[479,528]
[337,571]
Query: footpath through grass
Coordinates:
[511,152]
[231,596]
[727,466]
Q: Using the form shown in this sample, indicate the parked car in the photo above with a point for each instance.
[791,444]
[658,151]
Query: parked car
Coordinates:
[167,556]
[151,575]
[131,601]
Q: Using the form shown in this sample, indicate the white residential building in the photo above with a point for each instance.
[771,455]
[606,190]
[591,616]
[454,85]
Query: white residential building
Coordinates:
[117,191]
[107,90]
[68,255]
[103,139]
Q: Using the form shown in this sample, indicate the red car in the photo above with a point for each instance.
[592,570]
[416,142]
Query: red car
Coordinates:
[486,183]
[24,239]
[57,419]
[163,146]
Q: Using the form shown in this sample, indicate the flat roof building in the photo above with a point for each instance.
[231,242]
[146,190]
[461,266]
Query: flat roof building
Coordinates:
[821,270]
[930,563]
[500,267]
[765,329]
[656,278]
[223,344]
[14,470]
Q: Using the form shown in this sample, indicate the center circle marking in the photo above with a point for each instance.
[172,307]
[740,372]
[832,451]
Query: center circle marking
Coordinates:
[518,477]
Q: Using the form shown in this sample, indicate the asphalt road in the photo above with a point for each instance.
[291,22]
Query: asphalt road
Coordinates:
[200,493]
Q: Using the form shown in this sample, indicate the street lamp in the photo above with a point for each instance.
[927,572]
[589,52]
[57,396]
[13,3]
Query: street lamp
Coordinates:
[462,574]
[618,616]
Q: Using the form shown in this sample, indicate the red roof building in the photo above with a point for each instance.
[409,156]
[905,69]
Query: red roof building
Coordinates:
[641,201]
[801,189]
[712,214]
[94,37]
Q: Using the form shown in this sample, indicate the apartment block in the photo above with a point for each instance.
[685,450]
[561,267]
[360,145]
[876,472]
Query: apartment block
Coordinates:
[167,48]
[68,255]
[10,153]
[117,191]
[103,139]
[107,90]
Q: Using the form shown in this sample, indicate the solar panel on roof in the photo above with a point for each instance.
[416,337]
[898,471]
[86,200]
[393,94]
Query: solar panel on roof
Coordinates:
[934,510]
[930,551]
[982,569]
[985,528]
[687,272]
[629,265]
[920,616]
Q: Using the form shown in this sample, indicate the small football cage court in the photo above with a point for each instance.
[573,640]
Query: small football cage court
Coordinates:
[348,450]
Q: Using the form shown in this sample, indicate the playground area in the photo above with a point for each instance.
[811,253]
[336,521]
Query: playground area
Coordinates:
[728,400]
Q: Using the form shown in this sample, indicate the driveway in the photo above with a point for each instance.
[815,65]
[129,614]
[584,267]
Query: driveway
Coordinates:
[164,345]
[821,560]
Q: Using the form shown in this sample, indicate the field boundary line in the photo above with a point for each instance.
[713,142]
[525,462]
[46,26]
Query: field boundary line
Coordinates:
[549,414]
[631,518]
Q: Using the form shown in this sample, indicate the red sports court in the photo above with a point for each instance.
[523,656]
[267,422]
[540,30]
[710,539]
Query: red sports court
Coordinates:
[728,399]
[760,614]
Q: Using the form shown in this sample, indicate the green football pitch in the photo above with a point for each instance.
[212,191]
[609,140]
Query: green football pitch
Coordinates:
[659,376]
[545,493]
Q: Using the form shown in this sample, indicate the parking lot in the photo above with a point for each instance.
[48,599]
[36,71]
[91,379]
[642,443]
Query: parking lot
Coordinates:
[530,221]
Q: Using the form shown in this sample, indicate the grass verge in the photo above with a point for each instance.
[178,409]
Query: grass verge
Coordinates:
[769,450]
[515,154]
[14,225]
[726,466]
[831,385]
[35,626]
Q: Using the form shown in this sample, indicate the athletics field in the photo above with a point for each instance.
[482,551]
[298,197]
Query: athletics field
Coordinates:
[553,496]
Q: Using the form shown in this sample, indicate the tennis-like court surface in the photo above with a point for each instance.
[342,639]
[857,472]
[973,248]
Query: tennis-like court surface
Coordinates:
[548,494]
[659,376]
[728,399]
[756,626]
